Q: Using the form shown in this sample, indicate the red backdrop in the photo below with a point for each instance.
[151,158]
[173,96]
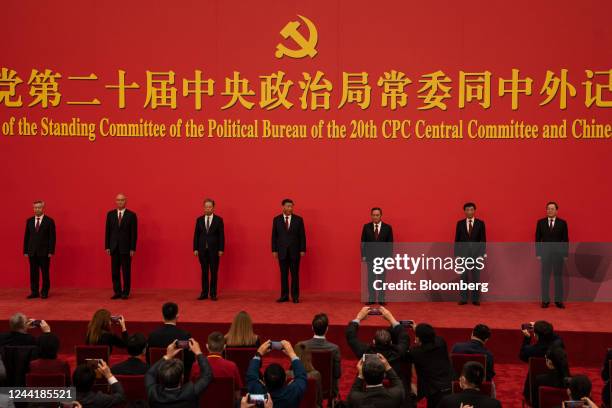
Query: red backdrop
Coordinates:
[420,184]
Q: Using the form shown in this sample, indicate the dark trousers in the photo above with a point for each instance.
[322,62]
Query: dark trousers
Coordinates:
[39,264]
[552,264]
[434,399]
[471,276]
[121,263]
[209,261]
[371,278]
[289,265]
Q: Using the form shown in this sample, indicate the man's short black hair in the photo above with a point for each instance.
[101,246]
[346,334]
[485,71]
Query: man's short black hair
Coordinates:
[216,342]
[482,332]
[48,344]
[552,203]
[544,330]
[474,373]
[425,332]
[136,344]
[83,378]
[319,324]
[286,201]
[468,205]
[373,371]
[169,311]
[382,337]
[170,372]
[209,200]
[376,209]
[580,386]
[274,377]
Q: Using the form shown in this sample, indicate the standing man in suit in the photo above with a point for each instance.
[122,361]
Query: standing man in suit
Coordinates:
[470,242]
[372,233]
[120,244]
[208,246]
[39,247]
[288,246]
[552,244]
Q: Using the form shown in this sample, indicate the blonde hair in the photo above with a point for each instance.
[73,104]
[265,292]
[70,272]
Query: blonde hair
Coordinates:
[241,331]
[99,323]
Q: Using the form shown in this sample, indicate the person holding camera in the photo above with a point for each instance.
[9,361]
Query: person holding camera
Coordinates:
[84,378]
[368,389]
[283,395]
[100,330]
[579,391]
[18,335]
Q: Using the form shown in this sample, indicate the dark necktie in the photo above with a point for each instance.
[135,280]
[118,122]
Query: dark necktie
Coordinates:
[550,224]
[207,223]
[376,232]
[286,223]
[37,226]
[469,228]
[120,218]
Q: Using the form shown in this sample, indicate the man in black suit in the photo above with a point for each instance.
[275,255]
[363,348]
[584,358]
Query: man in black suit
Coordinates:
[472,377]
[18,335]
[289,246]
[552,244]
[470,242]
[84,377]
[120,244]
[135,363]
[169,332]
[477,345]
[368,389]
[208,246]
[39,247]
[376,241]
[163,380]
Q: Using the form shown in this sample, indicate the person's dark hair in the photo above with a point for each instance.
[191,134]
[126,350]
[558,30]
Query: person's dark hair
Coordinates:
[169,311]
[425,332]
[474,373]
[552,203]
[319,324]
[579,387]
[468,205]
[136,344]
[209,200]
[482,332]
[373,371]
[48,344]
[83,378]
[216,341]
[274,377]
[170,373]
[376,209]
[544,331]
[286,201]
[382,337]
[558,358]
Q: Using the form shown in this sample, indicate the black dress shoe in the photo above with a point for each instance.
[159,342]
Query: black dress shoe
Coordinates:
[44,296]
[462,302]
[282,300]
[203,297]
[560,305]
[124,297]
[213,298]
[545,305]
[116,296]
[296,300]
[32,296]
[476,303]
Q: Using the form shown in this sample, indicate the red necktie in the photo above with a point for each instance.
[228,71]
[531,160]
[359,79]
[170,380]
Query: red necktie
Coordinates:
[376,232]
[120,218]
[37,226]
[550,224]
[469,228]
[286,223]
[207,223]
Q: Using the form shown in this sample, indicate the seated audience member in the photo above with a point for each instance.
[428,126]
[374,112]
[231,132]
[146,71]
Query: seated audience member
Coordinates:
[241,333]
[4,398]
[556,362]
[579,389]
[320,324]
[100,332]
[605,376]
[477,345]
[84,378]
[545,338]
[472,377]
[432,365]
[244,402]
[169,332]
[47,362]
[305,355]
[136,362]
[18,335]
[164,384]
[368,389]
[221,367]
[283,395]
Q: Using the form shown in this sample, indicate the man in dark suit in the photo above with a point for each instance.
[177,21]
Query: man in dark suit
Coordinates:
[18,335]
[552,244]
[376,241]
[170,391]
[477,345]
[39,247]
[472,377]
[470,242]
[169,332]
[289,246]
[368,389]
[120,244]
[84,377]
[135,363]
[208,246]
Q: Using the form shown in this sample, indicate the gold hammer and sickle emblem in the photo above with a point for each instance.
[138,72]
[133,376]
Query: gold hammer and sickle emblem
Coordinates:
[307,46]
